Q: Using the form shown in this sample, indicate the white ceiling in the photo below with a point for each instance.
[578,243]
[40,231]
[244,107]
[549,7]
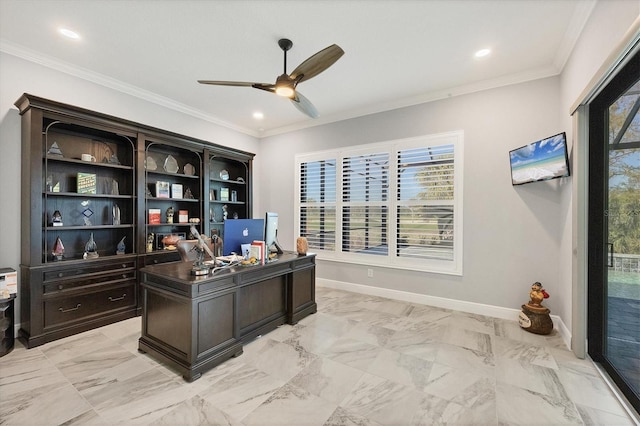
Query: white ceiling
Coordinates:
[397,52]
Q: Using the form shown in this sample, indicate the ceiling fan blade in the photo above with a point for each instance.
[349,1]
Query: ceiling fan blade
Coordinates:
[229,83]
[304,105]
[317,63]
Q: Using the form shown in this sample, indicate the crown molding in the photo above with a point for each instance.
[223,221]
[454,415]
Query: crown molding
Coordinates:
[114,84]
[423,98]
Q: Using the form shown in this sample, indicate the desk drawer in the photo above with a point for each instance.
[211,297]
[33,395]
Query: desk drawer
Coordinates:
[62,310]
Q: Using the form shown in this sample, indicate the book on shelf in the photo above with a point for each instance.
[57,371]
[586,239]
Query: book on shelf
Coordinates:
[86,183]
[176,190]
[183,216]
[162,189]
[155,216]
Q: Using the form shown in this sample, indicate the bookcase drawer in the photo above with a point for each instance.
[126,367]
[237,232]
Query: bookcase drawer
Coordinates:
[79,283]
[68,309]
[86,270]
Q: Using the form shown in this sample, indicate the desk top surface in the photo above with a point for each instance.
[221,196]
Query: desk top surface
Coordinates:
[181,271]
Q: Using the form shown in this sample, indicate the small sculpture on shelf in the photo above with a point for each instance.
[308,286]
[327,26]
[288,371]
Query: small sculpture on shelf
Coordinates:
[114,159]
[216,243]
[224,212]
[115,187]
[86,212]
[170,214]
[90,249]
[56,218]
[150,237]
[54,150]
[120,248]
[58,249]
[534,317]
[170,241]
[115,211]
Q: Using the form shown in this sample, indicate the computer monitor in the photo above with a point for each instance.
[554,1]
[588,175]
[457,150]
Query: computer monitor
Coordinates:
[271,233]
[241,231]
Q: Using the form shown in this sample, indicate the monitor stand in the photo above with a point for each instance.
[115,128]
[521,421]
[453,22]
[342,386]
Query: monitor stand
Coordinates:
[275,247]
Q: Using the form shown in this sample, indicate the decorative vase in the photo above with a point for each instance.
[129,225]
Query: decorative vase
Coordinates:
[302,245]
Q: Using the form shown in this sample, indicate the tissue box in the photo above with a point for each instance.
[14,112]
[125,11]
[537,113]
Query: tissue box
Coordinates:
[9,280]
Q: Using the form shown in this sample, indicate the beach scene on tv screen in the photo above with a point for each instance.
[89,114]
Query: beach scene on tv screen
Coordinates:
[540,160]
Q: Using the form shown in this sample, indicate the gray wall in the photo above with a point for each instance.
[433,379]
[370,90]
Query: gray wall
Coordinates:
[511,234]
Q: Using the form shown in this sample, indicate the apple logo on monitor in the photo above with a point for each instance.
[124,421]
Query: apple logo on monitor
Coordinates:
[245,232]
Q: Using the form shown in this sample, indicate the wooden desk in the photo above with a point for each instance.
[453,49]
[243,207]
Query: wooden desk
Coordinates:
[197,322]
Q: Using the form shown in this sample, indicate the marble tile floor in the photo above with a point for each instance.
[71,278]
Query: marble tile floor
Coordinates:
[361,360]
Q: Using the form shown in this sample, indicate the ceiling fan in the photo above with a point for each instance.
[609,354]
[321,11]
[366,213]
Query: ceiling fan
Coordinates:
[286,84]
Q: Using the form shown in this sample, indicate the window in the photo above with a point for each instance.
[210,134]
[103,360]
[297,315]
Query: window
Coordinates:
[396,204]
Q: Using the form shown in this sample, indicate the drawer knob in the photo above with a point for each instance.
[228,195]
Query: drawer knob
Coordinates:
[124,265]
[60,286]
[115,299]
[124,275]
[155,260]
[61,309]
[60,275]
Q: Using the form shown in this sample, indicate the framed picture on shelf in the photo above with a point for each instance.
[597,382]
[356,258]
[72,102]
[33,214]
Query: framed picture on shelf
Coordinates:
[176,190]
[87,183]
[162,189]
[183,216]
[224,194]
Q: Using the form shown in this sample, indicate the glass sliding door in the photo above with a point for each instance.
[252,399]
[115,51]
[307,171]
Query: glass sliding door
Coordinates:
[614,230]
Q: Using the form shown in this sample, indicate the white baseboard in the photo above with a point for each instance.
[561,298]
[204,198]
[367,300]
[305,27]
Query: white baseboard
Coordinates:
[441,302]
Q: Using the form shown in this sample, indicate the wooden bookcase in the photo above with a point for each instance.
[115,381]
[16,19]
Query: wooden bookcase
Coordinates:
[90,177]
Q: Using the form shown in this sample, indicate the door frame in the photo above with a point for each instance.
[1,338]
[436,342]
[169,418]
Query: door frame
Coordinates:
[598,171]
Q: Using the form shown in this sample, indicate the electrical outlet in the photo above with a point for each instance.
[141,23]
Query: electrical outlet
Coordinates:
[370,273]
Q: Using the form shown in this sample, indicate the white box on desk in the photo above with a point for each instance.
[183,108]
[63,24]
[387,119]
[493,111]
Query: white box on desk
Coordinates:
[9,280]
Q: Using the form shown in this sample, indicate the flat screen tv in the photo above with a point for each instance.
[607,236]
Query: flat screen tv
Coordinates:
[241,231]
[542,160]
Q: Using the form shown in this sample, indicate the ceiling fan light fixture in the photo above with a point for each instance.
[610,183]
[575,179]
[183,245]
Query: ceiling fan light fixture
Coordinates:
[285,91]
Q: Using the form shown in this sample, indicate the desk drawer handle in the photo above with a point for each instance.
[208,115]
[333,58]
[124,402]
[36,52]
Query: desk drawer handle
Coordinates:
[71,309]
[115,299]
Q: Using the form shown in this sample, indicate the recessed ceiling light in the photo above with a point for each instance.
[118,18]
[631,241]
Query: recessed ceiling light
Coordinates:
[68,33]
[482,53]
[258,115]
